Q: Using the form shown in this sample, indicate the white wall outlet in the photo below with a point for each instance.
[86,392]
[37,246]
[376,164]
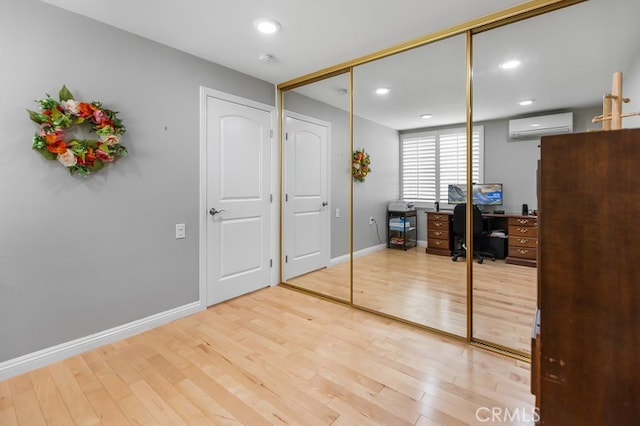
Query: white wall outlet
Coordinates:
[337,212]
[181,230]
[370,220]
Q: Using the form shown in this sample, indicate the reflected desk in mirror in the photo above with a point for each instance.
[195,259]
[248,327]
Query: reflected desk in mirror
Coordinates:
[520,233]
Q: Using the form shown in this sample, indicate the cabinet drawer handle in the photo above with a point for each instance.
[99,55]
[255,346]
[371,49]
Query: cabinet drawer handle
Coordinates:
[523,251]
[438,233]
[438,224]
[523,240]
[523,230]
[437,243]
[523,221]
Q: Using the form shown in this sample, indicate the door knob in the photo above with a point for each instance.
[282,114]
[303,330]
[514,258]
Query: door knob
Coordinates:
[214,212]
[324,204]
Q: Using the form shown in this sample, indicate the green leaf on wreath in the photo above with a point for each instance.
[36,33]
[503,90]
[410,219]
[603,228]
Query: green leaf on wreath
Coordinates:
[37,118]
[97,166]
[49,155]
[65,94]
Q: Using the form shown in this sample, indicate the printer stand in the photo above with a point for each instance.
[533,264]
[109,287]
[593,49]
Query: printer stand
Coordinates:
[402,229]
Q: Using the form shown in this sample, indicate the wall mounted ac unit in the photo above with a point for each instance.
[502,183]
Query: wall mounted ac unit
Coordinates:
[534,127]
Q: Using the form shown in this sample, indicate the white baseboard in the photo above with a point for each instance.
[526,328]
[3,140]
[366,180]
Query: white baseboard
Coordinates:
[41,358]
[422,243]
[345,258]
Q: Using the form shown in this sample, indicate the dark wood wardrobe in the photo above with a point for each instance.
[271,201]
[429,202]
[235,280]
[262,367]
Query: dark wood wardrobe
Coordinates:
[586,350]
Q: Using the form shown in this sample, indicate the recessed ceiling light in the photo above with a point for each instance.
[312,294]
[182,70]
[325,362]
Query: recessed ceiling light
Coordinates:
[267,26]
[425,116]
[535,125]
[526,102]
[382,90]
[514,63]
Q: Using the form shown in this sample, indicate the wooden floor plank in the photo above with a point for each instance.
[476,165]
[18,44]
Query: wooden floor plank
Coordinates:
[8,416]
[75,399]
[27,408]
[135,412]
[53,407]
[5,395]
[106,407]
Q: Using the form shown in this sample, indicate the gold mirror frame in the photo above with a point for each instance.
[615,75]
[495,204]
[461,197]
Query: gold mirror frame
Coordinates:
[518,13]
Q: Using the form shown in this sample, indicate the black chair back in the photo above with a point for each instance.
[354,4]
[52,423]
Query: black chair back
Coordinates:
[460,220]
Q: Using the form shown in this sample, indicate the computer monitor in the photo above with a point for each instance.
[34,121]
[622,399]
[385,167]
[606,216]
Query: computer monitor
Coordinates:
[484,194]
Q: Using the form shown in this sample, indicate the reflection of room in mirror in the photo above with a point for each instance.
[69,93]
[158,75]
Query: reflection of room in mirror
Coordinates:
[316,188]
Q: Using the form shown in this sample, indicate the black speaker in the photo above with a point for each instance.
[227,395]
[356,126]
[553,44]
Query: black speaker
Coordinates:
[525,210]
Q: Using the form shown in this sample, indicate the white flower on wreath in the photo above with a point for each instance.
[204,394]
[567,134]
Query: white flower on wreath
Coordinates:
[70,106]
[68,159]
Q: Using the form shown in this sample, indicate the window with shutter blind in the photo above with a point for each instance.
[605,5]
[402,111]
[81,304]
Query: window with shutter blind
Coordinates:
[433,160]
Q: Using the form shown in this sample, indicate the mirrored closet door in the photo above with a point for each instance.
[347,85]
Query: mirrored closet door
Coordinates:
[406,109]
[544,75]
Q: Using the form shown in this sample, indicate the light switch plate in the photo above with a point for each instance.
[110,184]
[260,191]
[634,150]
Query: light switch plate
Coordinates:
[181,231]
[337,212]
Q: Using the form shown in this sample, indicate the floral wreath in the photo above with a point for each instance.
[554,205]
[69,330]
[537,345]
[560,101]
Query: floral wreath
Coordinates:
[80,156]
[360,165]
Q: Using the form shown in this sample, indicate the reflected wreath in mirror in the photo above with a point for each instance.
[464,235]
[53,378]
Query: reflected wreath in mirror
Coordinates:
[360,165]
[61,125]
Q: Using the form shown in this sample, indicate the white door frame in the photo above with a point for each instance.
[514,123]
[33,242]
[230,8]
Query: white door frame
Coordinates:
[326,124]
[202,215]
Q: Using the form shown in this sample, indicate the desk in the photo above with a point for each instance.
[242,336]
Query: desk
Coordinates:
[522,235]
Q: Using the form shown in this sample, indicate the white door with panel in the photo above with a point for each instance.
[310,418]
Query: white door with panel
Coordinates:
[306,207]
[238,141]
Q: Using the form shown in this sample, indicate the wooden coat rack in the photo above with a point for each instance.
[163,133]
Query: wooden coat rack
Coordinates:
[612,115]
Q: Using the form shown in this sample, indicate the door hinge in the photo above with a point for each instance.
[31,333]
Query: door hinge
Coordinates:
[286,136]
[286,259]
[271,198]
[271,133]
[270,263]
[286,197]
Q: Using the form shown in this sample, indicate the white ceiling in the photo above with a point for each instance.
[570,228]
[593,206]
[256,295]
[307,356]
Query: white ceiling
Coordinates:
[565,63]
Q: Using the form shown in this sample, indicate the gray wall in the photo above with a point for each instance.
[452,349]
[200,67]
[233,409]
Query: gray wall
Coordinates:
[631,89]
[372,197]
[81,255]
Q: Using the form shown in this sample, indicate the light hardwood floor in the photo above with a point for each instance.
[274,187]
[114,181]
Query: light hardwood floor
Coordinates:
[431,290]
[276,356]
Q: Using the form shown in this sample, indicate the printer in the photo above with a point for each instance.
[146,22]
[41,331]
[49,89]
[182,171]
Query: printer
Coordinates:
[401,206]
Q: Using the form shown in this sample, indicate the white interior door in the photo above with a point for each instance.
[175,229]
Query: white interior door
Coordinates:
[306,230]
[238,139]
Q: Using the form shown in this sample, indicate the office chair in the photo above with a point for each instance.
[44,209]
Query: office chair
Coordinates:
[459,230]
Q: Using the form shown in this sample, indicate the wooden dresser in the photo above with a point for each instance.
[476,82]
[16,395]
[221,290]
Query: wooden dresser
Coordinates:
[439,234]
[523,240]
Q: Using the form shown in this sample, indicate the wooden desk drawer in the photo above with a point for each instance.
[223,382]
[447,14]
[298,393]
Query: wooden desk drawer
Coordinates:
[522,252]
[438,234]
[438,224]
[525,242]
[523,221]
[438,217]
[523,231]
[441,244]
